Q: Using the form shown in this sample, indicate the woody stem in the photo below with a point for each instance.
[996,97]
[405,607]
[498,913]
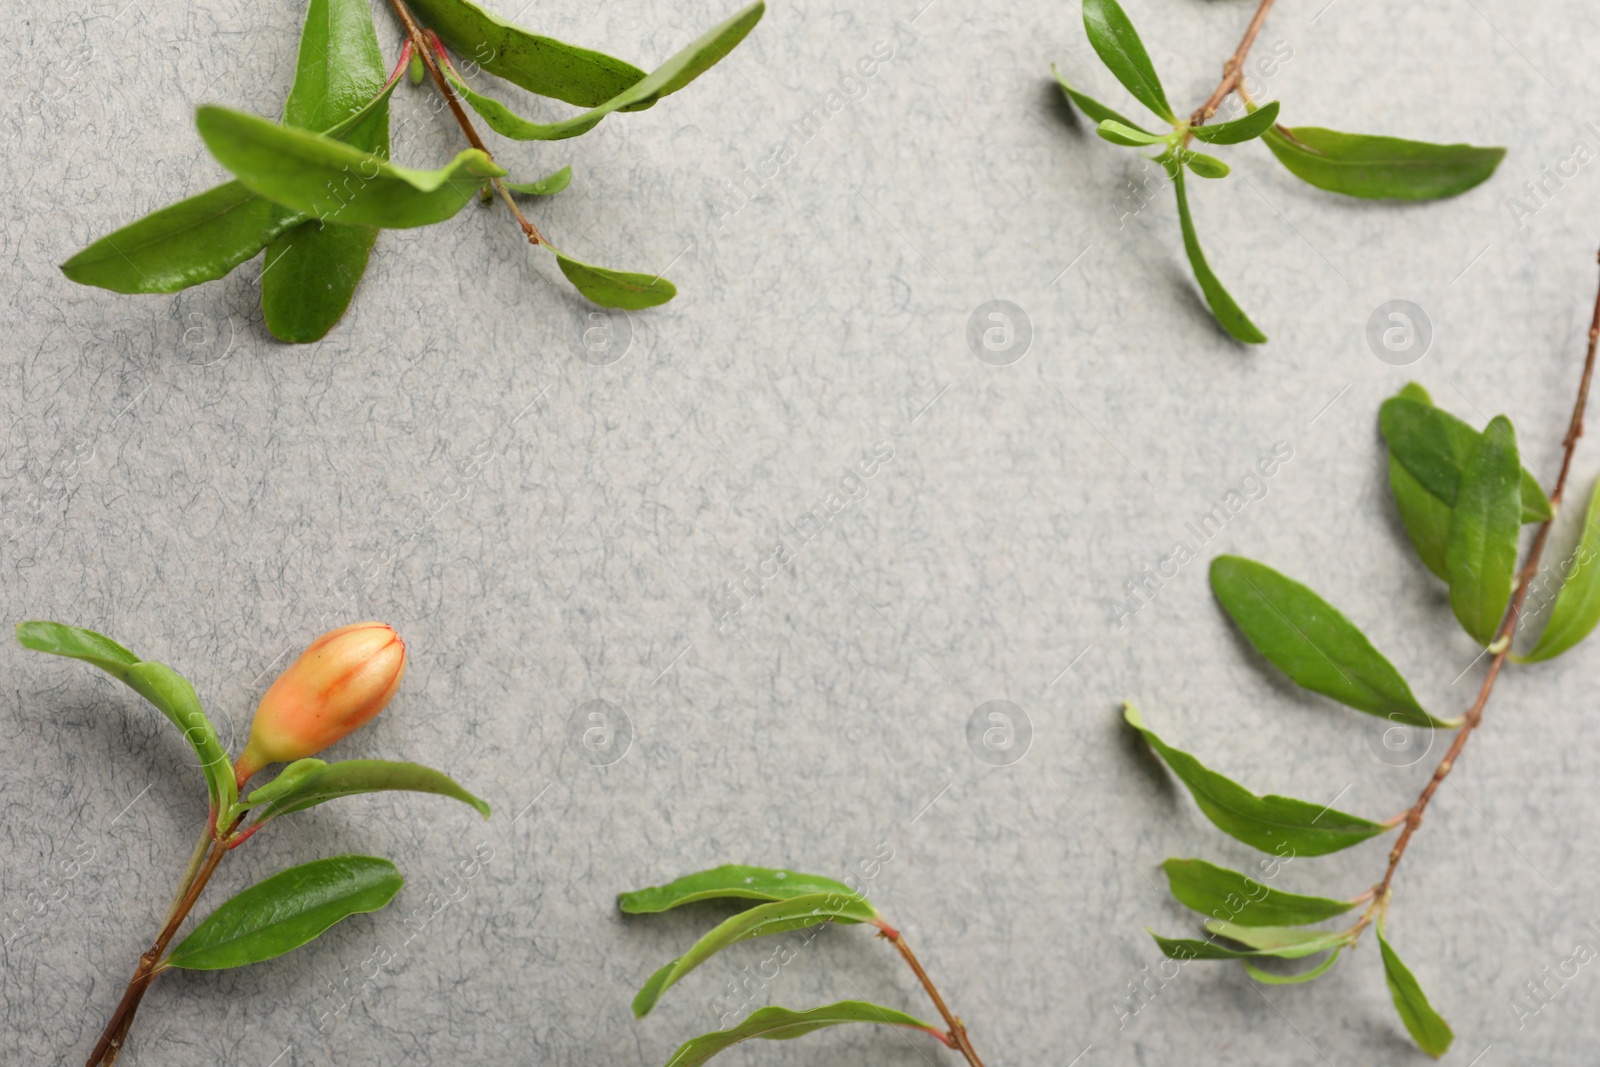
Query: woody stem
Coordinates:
[958,1032]
[1232,70]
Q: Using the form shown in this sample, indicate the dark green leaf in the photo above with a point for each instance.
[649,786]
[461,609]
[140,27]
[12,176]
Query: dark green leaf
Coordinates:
[1117,44]
[162,686]
[348,778]
[1091,107]
[1308,639]
[1577,606]
[549,185]
[287,910]
[336,183]
[310,277]
[1380,168]
[1481,556]
[1432,444]
[778,917]
[1294,979]
[1425,517]
[1235,321]
[1205,166]
[1268,823]
[1247,128]
[781,1024]
[1123,134]
[616,288]
[1234,897]
[684,67]
[731,881]
[1429,1031]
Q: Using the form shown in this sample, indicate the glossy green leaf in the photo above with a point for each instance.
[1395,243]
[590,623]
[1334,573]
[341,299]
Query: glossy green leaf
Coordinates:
[1237,898]
[731,881]
[285,782]
[310,276]
[348,778]
[1432,444]
[549,185]
[339,66]
[1123,134]
[1424,1024]
[1117,44]
[1091,107]
[1308,639]
[781,1024]
[1205,166]
[162,686]
[1380,168]
[1285,944]
[334,182]
[287,910]
[1228,313]
[616,288]
[1269,823]
[1481,556]
[1294,979]
[1239,130]
[781,916]
[1577,606]
[698,57]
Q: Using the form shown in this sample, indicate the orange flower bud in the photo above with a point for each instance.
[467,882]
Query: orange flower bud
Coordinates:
[343,679]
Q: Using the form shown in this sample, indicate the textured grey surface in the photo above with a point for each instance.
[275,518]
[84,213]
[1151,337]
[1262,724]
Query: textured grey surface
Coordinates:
[547,532]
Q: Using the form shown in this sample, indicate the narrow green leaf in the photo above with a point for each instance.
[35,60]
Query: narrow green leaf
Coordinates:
[1424,1024]
[698,57]
[778,917]
[781,1024]
[1432,444]
[162,686]
[1091,107]
[549,185]
[1380,168]
[348,778]
[1234,897]
[1228,313]
[1481,556]
[1308,639]
[1239,130]
[1282,942]
[1117,44]
[287,910]
[1268,823]
[1294,979]
[731,881]
[1577,606]
[1123,134]
[1304,943]
[334,182]
[1425,517]
[616,288]
[1205,166]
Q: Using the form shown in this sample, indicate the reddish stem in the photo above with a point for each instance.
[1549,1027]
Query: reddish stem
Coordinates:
[957,1037]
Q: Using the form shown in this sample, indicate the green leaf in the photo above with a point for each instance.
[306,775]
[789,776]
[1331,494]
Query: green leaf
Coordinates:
[1577,606]
[1292,944]
[1432,444]
[335,182]
[1205,166]
[1294,979]
[684,67]
[348,778]
[1424,1024]
[1091,107]
[549,185]
[1268,823]
[1307,638]
[1235,321]
[1283,942]
[1239,130]
[781,1024]
[1238,898]
[1117,44]
[1425,517]
[781,916]
[1123,134]
[339,68]
[162,686]
[731,881]
[286,910]
[1481,556]
[310,277]
[616,288]
[1380,168]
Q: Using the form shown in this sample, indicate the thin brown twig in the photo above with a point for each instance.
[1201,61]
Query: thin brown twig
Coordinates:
[1502,641]
[958,1032]
[1232,71]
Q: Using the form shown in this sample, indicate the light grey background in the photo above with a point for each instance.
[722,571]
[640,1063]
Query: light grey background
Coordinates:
[546,532]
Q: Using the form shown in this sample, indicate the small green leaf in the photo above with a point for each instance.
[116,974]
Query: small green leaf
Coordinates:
[781,1024]
[1268,823]
[1577,606]
[1294,979]
[684,67]
[1239,130]
[1117,44]
[731,881]
[616,288]
[1228,313]
[1123,134]
[1205,166]
[1424,1024]
[315,785]
[1481,556]
[549,185]
[417,69]
[1238,898]
[336,183]
[1307,638]
[1284,944]
[778,917]
[1380,168]
[1432,444]
[1091,107]
[287,910]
